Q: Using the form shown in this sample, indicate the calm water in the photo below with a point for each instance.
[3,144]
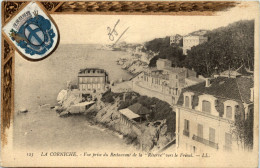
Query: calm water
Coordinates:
[38,83]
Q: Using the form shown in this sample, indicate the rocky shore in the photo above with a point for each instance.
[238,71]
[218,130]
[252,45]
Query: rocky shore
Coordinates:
[151,136]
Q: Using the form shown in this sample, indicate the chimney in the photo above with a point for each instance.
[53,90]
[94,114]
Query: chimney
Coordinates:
[252,94]
[207,82]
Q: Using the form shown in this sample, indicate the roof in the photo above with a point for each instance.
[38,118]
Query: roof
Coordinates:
[244,84]
[128,113]
[238,72]
[175,69]
[137,74]
[195,79]
[92,70]
[165,60]
[230,73]
[139,109]
[225,88]
[157,74]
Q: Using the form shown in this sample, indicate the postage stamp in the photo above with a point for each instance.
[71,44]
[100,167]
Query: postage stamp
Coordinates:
[129,84]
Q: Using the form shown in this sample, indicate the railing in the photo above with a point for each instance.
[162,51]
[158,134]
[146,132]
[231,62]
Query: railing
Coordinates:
[205,141]
[227,148]
[186,133]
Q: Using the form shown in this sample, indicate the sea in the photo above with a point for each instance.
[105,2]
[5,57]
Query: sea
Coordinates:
[37,85]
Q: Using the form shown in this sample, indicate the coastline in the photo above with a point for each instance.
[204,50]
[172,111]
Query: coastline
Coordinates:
[93,123]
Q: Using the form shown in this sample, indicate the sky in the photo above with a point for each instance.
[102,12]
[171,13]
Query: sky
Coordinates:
[85,29]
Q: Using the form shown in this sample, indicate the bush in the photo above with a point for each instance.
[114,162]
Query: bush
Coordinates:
[162,110]
[109,97]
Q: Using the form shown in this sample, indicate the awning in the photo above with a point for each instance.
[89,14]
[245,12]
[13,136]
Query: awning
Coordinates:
[129,114]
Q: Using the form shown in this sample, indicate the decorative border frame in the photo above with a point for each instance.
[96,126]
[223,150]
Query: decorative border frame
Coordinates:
[10,8]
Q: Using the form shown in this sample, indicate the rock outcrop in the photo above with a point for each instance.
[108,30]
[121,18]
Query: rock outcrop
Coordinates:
[62,96]
[153,136]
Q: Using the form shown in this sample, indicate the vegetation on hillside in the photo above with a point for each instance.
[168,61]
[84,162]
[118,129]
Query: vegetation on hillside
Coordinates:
[162,45]
[160,109]
[227,48]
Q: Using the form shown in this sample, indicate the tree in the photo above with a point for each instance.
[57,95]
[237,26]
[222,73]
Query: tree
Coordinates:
[242,129]
[162,45]
[227,48]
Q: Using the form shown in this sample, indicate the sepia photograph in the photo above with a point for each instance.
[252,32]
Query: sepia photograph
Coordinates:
[130,89]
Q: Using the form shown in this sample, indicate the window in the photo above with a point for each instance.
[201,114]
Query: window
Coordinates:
[228,140]
[83,87]
[194,149]
[186,125]
[173,100]
[212,134]
[80,79]
[206,107]
[187,101]
[80,87]
[186,129]
[229,112]
[200,130]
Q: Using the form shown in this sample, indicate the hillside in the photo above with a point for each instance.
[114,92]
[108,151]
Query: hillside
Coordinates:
[162,45]
[227,47]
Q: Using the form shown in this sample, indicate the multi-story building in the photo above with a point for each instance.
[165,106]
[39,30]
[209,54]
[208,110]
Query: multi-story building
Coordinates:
[161,64]
[192,40]
[206,113]
[165,82]
[176,39]
[91,79]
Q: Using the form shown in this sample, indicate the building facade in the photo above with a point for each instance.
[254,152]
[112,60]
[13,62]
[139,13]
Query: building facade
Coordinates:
[176,39]
[91,79]
[206,114]
[192,40]
[165,82]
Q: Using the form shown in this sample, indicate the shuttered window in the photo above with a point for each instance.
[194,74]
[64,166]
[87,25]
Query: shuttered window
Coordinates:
[206,106]
[186,125]
[187,101]
[228,139]
[200,130]
[80,79]
[212,134]
[229,112]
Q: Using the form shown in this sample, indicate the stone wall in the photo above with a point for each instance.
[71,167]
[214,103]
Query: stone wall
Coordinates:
[151,93]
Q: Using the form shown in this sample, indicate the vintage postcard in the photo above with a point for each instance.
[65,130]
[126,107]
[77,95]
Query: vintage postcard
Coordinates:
[129,84]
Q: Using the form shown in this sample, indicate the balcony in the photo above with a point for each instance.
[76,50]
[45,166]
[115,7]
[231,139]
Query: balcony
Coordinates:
[186,133]
[205,141]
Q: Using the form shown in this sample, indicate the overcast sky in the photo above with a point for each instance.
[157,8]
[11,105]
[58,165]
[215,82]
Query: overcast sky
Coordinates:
[84,29]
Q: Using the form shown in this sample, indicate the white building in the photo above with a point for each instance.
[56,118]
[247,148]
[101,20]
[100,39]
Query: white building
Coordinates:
[205,114]
[192,40]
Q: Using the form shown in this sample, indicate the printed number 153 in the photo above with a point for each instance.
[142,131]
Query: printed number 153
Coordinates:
[30,154]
